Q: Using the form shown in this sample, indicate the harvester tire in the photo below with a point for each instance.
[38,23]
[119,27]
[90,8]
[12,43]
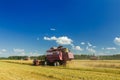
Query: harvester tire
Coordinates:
[45,63]
[57,63]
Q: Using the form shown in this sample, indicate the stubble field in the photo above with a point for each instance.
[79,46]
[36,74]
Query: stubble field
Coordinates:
[74,70]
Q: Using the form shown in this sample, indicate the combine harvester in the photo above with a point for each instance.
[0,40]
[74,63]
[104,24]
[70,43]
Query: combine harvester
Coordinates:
[56,56]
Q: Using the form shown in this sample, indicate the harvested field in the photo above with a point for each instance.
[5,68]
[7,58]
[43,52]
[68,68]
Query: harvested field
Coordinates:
[74,70]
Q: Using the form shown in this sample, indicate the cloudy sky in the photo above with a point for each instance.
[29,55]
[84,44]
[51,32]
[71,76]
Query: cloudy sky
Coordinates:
[30,27]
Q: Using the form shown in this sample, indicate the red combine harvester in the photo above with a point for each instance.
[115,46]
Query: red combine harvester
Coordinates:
[56,56]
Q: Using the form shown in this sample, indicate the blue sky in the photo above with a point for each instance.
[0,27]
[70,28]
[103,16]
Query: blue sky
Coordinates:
[30,27]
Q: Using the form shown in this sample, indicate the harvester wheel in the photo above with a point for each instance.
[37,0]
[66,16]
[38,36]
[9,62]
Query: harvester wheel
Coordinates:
[57,63]
[45,63]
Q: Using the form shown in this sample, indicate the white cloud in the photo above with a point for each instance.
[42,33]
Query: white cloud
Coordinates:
[78,48]
[53,38]
[117,41]
[50,39]
[52,29]
[46,38]
[18,50]
[94,46]
[82,43]
[111,48]
[90,49]
[3,51]
[89,44]
[64,40]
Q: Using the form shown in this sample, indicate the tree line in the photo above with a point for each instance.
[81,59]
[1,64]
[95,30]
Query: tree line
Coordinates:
[78,57]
